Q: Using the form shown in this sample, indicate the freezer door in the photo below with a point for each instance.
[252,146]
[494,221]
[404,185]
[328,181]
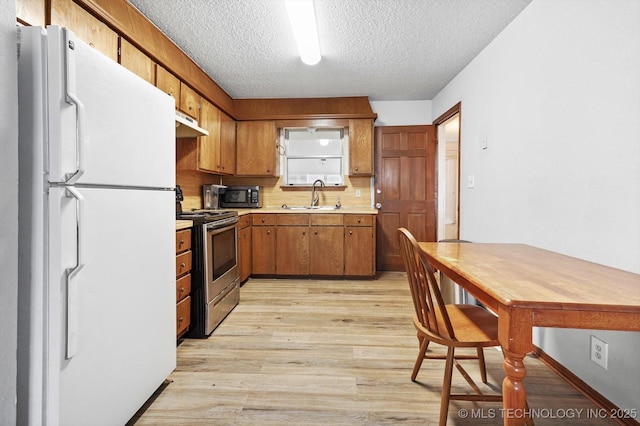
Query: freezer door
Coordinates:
[111,302]
[106,126]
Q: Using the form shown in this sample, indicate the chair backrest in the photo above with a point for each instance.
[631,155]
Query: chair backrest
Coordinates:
[427,299]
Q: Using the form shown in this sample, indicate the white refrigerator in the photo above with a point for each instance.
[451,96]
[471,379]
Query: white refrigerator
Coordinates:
[96,297]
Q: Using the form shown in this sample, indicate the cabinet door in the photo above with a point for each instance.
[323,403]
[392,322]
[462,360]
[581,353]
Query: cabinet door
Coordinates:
[189,101]
[256,148]
[209,146]
[361,147]
[244,253]
[137,62]
[227,144]
[67,13]
[263,250]
[168,83]
[326,250]
[293,250]
[359,250]
[183,316]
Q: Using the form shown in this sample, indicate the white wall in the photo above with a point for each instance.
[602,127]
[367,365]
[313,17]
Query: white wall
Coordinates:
[557,94]
[8,211]
[402,113]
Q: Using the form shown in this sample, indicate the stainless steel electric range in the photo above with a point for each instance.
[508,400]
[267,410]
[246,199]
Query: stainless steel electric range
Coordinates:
[215,285]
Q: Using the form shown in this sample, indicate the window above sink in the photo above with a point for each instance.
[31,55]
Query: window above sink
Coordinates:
[311,154]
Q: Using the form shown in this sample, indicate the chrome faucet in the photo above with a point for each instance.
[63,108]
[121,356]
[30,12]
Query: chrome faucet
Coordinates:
[315,197]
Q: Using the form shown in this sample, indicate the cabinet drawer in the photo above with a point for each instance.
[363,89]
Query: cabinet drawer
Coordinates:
[263,219]
[358,220]
[183,316]
[183,263]
[244,221]
[183,240]
[183,287]
[292,219]
[327,219]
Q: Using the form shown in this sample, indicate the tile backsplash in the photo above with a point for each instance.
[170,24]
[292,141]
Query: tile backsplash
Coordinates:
[275,193]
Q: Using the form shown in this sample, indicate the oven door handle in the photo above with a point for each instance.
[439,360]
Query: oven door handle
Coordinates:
[215,231]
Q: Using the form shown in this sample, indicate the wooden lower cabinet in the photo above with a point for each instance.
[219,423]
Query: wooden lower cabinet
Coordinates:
[244,247]
[359,245]
[313,244]
[326,244]
[183,281]
[263,244]
[326,250]
[292,243]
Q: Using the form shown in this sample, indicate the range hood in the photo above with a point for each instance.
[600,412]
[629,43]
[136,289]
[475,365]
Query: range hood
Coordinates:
[187,127]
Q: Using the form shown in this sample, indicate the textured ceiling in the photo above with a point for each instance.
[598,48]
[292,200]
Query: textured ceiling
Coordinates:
[383,49]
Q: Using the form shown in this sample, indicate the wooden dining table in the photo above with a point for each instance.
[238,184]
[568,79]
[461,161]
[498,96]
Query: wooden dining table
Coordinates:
[530,287]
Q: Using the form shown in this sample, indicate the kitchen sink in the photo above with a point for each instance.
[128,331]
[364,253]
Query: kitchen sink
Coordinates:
[284,206]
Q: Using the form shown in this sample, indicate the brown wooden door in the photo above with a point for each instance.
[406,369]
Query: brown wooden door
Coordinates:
[405,188]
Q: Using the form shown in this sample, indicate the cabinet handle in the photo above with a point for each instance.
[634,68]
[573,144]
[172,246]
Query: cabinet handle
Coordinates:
[180,319]
[315,232]
[181,242]
[359,220]
[350,232]
[263,220]
[181,289]
[356,169]
[182,265]
[268,232]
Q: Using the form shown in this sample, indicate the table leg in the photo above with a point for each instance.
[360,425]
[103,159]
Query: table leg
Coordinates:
[514,394]
[515,336]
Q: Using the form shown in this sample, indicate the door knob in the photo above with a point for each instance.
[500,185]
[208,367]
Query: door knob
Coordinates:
[378,206]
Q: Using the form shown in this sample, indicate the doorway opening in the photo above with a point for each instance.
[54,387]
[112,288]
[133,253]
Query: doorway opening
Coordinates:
[448,131]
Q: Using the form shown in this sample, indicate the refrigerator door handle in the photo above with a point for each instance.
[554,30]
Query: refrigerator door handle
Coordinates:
[72,285]
[72,98]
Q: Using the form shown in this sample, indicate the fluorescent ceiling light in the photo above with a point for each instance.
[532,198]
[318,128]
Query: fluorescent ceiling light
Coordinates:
[303,23]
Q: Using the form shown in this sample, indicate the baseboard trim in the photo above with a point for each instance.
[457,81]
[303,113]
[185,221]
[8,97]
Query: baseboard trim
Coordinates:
[582,387]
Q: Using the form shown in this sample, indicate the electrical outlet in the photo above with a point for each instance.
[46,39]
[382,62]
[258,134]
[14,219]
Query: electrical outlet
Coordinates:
[358,193]
[599,352]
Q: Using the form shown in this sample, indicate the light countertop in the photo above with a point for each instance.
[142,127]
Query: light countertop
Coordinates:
[184,224]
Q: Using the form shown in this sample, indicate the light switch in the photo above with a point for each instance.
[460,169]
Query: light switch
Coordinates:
[471,181]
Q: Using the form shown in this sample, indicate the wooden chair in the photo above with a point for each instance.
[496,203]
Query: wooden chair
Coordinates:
[453,326]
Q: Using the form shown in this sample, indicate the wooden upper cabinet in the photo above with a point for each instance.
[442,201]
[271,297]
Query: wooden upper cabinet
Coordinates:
[189,101]
[361,147]
[137,62]
[168,83]
[66,13]
[227,144]
[209,155]
[215,153]
[256,148]
[30,12]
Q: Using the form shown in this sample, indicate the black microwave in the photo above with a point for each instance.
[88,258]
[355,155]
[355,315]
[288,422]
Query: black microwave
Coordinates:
[241,197]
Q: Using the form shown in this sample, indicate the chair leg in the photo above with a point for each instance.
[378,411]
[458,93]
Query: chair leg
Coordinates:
[446,386]
[424,344]
[482,365]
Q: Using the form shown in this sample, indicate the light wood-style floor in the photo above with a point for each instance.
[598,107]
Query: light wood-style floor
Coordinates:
[333,352]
